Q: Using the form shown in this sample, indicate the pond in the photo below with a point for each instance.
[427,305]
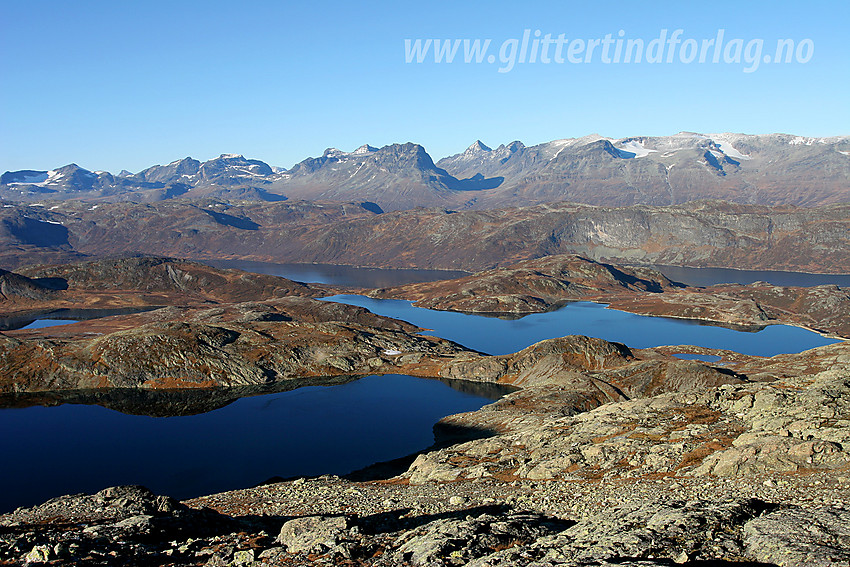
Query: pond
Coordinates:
[37,320]
[314,430]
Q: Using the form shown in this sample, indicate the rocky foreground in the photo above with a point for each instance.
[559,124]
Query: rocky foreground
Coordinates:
[606,456]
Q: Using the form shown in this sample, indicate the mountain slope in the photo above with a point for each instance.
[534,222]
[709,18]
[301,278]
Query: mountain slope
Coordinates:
[702,234]
[398,176]
[772,170]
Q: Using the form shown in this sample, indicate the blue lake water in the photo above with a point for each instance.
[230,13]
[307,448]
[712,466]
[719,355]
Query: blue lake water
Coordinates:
[340,275]
[502,336]
[377,277]
[70,448]
[42,323]
[712,276]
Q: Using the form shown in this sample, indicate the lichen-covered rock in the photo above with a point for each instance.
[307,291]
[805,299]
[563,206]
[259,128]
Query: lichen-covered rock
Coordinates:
[312,533]
[457,541]
[792,537]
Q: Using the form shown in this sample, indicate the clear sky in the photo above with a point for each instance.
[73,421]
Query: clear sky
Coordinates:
[125,85]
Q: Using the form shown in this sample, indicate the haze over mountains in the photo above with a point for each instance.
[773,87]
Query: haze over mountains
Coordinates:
[766,169]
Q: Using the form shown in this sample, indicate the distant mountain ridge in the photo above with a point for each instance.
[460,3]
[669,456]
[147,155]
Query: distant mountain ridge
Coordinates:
[770,169]
[701,234]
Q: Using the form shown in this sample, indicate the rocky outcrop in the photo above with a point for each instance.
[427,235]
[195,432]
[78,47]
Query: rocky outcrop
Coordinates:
[532,286]
[15,287]
[543,284]
[719,425]
[244,344]
[130,525]
[820,308]
[661,533]
[138,283]
[128,522]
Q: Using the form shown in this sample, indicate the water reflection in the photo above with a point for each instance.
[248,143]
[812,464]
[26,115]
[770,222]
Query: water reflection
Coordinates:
[711,276]
[63,317]
[302,432]
[340,275]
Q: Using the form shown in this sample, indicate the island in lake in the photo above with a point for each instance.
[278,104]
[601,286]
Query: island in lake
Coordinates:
[571,450]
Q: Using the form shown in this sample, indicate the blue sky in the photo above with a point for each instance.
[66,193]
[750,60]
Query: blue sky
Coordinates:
[114,85]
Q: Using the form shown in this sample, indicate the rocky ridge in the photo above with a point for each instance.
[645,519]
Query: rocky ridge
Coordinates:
[701,234]
[241,344]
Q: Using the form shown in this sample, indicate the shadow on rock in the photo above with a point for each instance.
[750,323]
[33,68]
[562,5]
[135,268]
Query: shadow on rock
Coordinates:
[445,435]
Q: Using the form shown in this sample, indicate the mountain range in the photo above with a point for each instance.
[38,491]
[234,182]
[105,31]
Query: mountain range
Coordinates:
[770,169]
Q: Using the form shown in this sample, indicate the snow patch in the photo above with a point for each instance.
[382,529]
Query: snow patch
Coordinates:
[94,207]
[392,352]
[799,140]
[634,149]
[51,222]
[727,148]
[845,153]
[364,149]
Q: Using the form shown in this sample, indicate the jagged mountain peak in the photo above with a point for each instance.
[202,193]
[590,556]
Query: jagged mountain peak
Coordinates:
[365,149]
[477,147]
[672,169]
[183,160]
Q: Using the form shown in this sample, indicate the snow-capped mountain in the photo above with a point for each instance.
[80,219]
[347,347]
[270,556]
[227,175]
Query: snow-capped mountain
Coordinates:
[658,170]
[68,179]
[769,169]
[398,176]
